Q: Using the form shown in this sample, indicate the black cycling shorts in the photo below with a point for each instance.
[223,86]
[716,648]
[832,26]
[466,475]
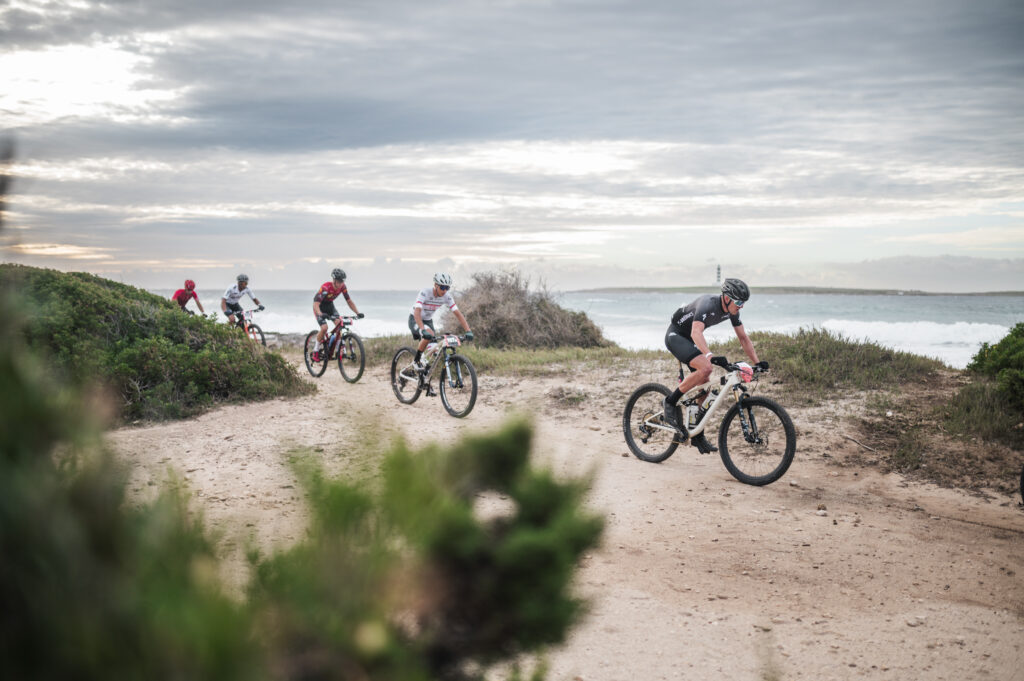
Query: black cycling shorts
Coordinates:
[327,313]
[680,345]
[233,308]
[416,330]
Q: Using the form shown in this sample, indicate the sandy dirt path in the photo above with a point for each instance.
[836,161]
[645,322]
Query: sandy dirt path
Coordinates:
[834,572]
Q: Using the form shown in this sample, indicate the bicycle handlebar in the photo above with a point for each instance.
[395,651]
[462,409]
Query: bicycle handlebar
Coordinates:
[720,360]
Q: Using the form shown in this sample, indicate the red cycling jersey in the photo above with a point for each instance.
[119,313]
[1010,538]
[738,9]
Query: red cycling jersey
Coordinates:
[182,296]
[328,293]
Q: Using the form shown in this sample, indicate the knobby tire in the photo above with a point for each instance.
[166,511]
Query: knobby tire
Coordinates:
[351,358]
[763,462]
[316,369]
[406,389]
[645,405]
[458,386]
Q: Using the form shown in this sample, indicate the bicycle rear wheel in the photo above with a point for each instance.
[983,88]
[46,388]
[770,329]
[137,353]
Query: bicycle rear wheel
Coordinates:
[317,368]
[351,358]
[404,379]
[643,423]
[762,452]
[458,386]
[256,334]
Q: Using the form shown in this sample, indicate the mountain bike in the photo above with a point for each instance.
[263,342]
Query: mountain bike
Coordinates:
[250,328]
[342,344]
[457,383]
[756,439]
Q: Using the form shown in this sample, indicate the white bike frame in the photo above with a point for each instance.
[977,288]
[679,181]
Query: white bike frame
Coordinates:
[733,380]
[448,340]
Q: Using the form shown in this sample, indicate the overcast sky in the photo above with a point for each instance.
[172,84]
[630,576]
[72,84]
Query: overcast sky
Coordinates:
[587,142]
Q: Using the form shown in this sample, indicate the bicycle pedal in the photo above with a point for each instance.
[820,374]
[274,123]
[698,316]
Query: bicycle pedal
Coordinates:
[431,392]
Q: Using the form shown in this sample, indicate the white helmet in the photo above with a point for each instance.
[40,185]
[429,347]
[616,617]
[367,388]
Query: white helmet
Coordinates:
[443,279]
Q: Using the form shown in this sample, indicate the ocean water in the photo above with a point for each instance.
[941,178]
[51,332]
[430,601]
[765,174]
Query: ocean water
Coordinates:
[949,328]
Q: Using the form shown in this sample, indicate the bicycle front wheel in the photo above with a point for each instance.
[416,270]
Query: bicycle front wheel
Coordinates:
[458,386]
[644,425]
[256,334]
[404,379]
[316,368]
[757,441]
[351,358]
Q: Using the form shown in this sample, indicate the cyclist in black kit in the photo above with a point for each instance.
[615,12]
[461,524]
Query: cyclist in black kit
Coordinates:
[685,340]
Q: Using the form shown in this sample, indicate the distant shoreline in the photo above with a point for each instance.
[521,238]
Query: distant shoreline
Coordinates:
[811,290]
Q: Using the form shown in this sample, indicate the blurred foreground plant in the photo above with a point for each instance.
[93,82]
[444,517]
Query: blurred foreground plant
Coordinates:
[456,560]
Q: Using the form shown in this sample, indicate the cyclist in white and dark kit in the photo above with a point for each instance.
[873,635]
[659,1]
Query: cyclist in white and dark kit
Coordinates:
[427,303]
[229,301]
[685,340]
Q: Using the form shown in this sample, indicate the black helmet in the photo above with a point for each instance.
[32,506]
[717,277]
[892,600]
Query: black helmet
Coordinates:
[243,277]
[338,273]
[736,289]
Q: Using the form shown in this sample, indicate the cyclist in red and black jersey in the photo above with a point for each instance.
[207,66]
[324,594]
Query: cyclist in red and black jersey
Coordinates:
[323,306]
[183,295]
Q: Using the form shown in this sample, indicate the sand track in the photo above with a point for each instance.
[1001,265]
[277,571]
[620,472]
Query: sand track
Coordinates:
[699,576]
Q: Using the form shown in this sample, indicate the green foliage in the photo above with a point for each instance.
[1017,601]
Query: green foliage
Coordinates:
[1004,361]
[819,361]
[92,587]
[503,313]
[981,409]
[412,581]
[159,362]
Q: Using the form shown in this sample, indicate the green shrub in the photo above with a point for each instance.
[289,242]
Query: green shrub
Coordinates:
[504,313]
[991,406]
[410,582]
[405,579]
[1004,361]
[158,361]
[817,361]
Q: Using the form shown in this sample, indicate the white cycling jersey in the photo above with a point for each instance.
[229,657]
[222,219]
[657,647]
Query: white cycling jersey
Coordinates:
[233,295]
[429,303]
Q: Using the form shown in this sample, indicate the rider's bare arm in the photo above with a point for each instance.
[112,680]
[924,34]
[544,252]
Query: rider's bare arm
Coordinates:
[462,319]
[748,345]
[352,305]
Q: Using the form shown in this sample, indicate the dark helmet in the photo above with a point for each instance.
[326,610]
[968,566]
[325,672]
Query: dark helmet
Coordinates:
[189,284]
[243,277]
[736,289]
[338,273]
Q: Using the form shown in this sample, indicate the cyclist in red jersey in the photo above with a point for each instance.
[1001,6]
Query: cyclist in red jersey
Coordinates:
[323,306]
[183,295]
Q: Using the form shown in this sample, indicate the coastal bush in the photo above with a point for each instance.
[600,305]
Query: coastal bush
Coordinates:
[816,361]
[410,581]
[504,313]
[1004,362]
[159,362]
[991,405]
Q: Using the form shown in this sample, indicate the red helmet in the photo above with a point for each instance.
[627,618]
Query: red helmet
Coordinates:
[189,284]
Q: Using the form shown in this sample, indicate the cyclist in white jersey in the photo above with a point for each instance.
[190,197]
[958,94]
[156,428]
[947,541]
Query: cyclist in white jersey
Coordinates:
[427,303]
[229,301]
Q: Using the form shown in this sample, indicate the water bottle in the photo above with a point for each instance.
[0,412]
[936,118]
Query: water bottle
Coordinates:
[691,414]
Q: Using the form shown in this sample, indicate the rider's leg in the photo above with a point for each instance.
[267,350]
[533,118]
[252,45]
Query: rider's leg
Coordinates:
[700,375]
[424,341]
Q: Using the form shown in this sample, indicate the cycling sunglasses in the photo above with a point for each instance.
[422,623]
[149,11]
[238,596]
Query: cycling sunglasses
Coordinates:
[737,303]
[443,288]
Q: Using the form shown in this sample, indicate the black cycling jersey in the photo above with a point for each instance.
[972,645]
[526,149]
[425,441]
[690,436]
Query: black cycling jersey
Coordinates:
[706,309]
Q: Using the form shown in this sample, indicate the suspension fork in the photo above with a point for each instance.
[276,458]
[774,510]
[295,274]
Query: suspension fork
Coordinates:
[457,382]
[747,421]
